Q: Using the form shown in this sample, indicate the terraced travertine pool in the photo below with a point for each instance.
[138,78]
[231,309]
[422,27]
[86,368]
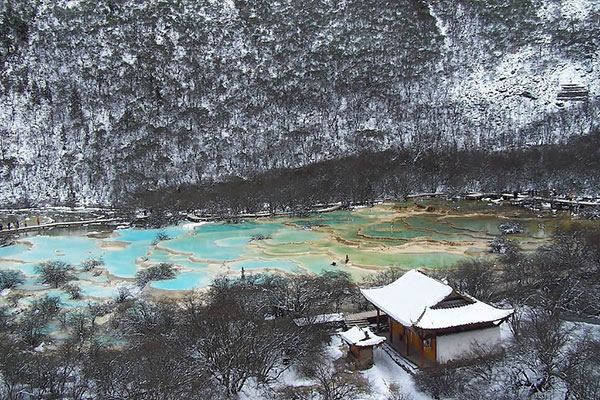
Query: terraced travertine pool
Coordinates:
[389,235]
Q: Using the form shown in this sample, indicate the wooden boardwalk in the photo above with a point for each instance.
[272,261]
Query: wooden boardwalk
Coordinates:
[525,199]
[319,208]
[64,224]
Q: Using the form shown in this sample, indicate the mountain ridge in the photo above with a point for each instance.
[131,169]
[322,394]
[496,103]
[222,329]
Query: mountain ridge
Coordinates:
[102,99]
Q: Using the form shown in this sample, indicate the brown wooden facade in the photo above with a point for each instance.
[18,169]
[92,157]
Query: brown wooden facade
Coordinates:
[420,345]
[361,356]
[413,343]
[429,337]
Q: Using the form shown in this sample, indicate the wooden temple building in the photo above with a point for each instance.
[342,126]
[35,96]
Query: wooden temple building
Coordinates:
[430,323]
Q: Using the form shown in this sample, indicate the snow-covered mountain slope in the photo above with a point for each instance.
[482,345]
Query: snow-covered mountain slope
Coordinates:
[101,98]
[522,54]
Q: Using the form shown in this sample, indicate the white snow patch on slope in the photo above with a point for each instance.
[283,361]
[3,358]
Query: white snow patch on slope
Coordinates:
[193,225]
[439,23]
[129,58]
[521,73]
[72,3]
[571,10]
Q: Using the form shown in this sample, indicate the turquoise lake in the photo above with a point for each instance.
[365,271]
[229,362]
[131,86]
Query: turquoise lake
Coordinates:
[372,238]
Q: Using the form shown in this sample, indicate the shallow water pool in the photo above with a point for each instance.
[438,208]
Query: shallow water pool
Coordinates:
[372,238]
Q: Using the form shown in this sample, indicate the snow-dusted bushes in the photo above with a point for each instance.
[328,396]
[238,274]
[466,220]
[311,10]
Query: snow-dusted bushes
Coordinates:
[207,345]
[169,94]
[333,382]
[91,263]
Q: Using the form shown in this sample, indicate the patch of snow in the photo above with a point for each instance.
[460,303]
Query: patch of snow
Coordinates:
[72,4]
[4,292]
[39,348]
[320,319]
[570,10]
[385,373]
[129,58]
[570,73]
[334,351]
[439,23]
[193,225]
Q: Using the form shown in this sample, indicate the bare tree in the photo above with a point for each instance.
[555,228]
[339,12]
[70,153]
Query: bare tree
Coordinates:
[123,294]
[30,328]
[541,351]
[158,272]
[55,272]
[332,383]
[440,381]
[80,324]
[336,384]
[396,392]
[477,278]
[382,278]
[583,379]
[74,291]
[339,288]
[9,278]
[91,263]
[246,341]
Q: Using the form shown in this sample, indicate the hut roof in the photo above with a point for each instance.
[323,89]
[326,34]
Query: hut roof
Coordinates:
[361,337]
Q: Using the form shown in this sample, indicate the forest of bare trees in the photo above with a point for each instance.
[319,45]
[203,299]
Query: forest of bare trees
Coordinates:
[206,345]
[561,169]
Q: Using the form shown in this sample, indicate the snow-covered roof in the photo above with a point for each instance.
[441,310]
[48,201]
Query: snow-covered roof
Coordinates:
[469,314]
[409,300]
[320,319]
[361,337]
[405,299]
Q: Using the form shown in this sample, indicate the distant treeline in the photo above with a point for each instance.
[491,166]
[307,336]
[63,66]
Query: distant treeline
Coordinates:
[566,168]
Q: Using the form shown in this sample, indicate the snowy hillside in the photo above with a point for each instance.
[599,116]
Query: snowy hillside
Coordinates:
[99,99]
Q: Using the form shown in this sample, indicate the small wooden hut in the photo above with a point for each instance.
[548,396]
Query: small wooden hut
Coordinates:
[361,342]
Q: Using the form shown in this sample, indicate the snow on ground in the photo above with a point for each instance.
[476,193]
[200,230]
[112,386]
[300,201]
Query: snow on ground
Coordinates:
[381,376]
[386,372]
[579,330]
[521,86]
[524,82]
[334,350]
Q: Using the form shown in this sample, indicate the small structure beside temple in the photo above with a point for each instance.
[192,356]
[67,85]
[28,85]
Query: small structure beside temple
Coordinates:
[361,342]
[430,323]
